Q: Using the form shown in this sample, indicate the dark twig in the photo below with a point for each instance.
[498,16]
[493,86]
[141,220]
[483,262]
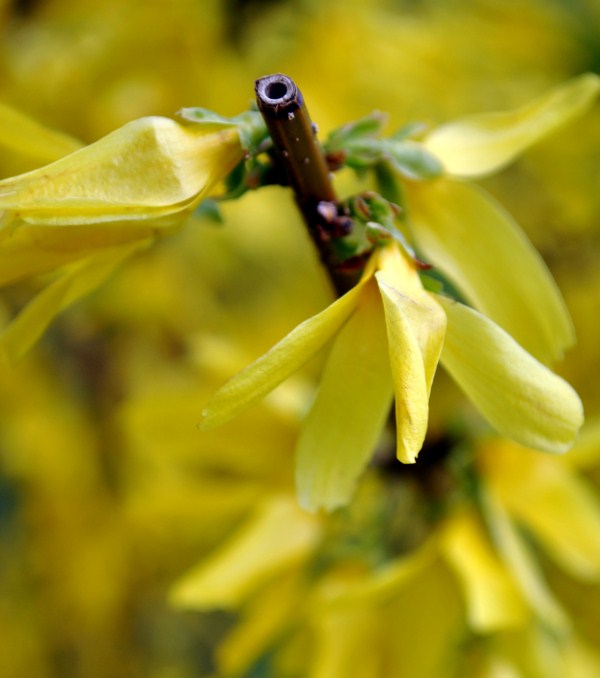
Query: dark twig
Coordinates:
[294,137]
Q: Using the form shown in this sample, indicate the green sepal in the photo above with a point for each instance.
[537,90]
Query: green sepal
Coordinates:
[250,125]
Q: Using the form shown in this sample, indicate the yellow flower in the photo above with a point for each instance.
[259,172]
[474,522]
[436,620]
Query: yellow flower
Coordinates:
[388,334]
[96,206]
[468,236]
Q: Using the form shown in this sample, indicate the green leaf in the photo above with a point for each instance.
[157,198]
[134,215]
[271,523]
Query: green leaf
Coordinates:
[367,127]
[412,160]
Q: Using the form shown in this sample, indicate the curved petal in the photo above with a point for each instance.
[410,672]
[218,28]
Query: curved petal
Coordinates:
[492,598]
[513,550]
[481,144]
[30,324]
[415,333]
[555,505]
[287,356]
[145,169]
[278,535]
[476,243]
[341,430]
[520,397]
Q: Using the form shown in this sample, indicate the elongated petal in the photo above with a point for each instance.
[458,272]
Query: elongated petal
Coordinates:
[26,136]
[520,397]
[492,597]
[341,430]
[31,250]
[481,144]
[415,335]
[145,169]
[556,506]
[287,356]
[264,620]
[30,324]
[427,319]
[476,243]
[516,555]
[275,538]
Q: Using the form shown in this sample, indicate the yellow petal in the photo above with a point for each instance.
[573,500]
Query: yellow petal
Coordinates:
[287,356]
[264,620]
[275,538]
[516,555]
[348,643]
[341,430]
[423,625]
[31,250]
[492,597]
[476,243]
[30,324]
[519,396]
[585,454]
[561,511]
[481,144]
[147,168]
[415,333]
[26,136]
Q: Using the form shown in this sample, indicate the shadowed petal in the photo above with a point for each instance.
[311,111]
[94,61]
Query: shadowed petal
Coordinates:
[492,598]
[520,397]
[26,136]
[145,169]
[482,144]
[477,244]
[30,324]
[516,555]
[341,430]
[557,507]
[276,537]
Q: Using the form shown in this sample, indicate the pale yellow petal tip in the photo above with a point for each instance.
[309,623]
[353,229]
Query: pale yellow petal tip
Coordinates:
[481,144]
[405,457]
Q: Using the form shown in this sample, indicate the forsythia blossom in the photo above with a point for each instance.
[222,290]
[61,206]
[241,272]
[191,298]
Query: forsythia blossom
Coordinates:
[93,208]
[389,333]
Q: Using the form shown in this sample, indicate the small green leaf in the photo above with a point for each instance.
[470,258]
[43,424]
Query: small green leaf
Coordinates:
[367,127]
[411,129]
[205,117]
[412,160]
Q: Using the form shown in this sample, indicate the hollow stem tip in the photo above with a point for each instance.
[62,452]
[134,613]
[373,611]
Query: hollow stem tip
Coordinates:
[298,152]
[294,136]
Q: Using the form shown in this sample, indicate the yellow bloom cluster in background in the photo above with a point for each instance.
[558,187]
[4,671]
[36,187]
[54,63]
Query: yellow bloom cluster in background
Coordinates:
[134,544]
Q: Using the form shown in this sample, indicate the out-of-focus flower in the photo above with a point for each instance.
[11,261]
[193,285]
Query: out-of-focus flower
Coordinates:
[451,605]
[31,142]
[98,205]
[472,239]
[388,333]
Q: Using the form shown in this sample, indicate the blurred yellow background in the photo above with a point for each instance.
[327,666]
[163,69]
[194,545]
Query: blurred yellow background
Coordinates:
[108,492]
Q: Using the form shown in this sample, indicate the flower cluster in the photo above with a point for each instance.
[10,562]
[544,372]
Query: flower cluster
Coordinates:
[389,333]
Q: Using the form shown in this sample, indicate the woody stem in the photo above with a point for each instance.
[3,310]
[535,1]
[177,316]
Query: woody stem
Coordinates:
[299,153]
